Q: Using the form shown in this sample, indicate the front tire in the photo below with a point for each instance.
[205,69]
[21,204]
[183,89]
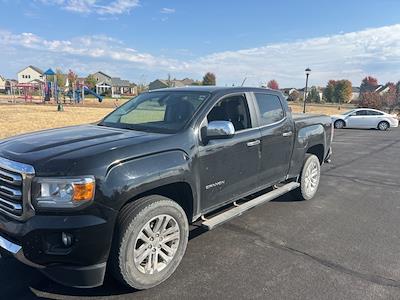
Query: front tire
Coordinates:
[151,239]
[339,124]
[383,126]
[309,178]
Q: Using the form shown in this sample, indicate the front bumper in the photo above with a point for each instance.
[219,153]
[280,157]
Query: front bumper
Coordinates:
[394,124]
[38,243]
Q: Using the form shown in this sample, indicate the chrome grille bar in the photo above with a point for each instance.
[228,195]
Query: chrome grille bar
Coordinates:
[10,206]
[15,189]
[14,179]
[11,193]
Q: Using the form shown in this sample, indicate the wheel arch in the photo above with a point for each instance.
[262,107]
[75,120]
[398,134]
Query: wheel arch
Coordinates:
[318,150]
[384,120]
[181,192]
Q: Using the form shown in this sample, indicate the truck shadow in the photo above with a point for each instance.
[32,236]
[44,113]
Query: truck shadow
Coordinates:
[20,281]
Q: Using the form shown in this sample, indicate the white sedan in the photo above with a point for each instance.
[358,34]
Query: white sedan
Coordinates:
[365,118]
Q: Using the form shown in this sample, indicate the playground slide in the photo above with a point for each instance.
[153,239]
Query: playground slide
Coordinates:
[93,93]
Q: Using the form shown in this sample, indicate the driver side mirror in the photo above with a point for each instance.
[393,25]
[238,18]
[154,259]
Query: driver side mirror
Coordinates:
[220,130]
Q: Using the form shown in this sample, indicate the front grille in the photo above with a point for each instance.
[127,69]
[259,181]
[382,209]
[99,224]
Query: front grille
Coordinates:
[11,192]
[15,189]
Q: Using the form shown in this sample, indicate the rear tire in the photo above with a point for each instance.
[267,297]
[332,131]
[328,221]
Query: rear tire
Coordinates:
[339,124]
[309,178]
[150,241]
[383,126]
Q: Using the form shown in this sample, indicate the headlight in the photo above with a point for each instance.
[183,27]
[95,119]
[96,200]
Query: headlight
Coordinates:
[62,192]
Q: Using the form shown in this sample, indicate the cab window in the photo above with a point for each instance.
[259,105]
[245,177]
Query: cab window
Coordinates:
[270,107]
[234,109]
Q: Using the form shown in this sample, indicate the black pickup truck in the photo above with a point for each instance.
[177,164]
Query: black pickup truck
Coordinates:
[120,194]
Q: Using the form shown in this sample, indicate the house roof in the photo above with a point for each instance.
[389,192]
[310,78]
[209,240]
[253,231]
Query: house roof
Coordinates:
[33,68]
[355,89]
[116,81]
[175,82]
[102,73]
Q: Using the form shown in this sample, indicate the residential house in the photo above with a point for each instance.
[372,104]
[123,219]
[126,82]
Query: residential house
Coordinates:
[166,83]
[3,82]
[382,89]
[355,94]
[320,91]
[122,87]
[288,91]
[29,74]
[115,85]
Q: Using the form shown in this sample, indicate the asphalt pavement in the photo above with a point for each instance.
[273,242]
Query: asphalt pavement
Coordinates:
[343,244]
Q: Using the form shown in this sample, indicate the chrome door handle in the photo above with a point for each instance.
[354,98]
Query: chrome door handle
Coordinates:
[253,143]
[289,133]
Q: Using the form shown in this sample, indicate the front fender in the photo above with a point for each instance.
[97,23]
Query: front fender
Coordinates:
[128,179]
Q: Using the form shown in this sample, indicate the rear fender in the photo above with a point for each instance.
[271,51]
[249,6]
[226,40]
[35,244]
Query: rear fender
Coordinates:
[307,137]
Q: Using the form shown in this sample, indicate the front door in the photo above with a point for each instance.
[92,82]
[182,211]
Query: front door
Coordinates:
[277,136]
[229,167]
[357,119]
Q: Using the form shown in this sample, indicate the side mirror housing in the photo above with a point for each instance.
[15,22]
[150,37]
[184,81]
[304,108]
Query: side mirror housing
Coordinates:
[220,130]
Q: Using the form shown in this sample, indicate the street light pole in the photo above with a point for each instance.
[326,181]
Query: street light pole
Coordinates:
[308,71]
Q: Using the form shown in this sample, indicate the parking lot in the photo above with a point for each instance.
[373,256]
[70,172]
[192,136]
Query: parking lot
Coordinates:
[344,244]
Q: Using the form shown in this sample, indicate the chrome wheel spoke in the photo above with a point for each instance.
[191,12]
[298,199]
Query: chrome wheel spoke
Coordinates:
[170,251]
[155,260]
[143,237]
[147,230]
[171,237]
[165,224]
[148,268]
[140,258]
[164,256]
[158,224]
[170,230]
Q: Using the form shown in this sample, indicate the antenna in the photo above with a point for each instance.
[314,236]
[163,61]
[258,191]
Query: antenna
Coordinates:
[244,80]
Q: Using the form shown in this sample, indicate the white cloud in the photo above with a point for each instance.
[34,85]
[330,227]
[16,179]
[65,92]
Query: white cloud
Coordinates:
[374,51]
[115,7]
[167,10]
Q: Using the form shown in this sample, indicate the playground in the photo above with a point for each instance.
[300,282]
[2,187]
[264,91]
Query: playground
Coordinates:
[52,91]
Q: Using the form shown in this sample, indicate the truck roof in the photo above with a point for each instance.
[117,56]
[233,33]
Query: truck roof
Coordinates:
[214,89]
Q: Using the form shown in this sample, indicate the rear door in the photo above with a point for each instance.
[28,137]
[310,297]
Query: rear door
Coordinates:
[276,137]
[373,118]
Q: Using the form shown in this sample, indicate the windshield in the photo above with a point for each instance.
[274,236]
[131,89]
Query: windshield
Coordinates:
[163,112]
[348,112]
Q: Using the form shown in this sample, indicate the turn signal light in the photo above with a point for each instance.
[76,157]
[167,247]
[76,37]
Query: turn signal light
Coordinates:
[84,191]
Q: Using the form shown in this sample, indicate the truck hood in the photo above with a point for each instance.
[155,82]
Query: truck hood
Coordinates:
[72,143]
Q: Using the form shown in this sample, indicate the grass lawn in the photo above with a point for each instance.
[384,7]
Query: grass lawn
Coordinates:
[17,119]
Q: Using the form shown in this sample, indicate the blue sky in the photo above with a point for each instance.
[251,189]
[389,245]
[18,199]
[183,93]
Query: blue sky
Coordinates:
[141,40]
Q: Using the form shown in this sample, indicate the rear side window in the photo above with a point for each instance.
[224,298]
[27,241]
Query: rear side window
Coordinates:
[271,110]
[374,113]
[362,113]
